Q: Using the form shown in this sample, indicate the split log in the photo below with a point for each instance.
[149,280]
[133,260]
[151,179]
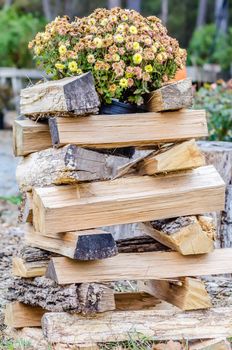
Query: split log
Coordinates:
[18,315]
[135,266]
[173,157]
[212,344]
[124,325]
[127,200]
[141,129]
[190,295]
[69,96]
[20,268]
[135,301]
[172,96]
[69,164]
[79,245]
[29,137]
[33,262]
[187,235]
[78,298]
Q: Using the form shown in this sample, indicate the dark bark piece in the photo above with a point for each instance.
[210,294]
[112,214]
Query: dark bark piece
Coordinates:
[139,245]
[74,298]
[31,254]
[172,96]
[67,97]
[93,247]
[79,245]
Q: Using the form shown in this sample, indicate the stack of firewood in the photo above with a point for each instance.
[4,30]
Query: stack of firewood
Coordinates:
[93,217]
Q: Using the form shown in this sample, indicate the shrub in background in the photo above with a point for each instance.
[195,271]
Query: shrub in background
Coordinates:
[217,100]
[15,30]
[209,46]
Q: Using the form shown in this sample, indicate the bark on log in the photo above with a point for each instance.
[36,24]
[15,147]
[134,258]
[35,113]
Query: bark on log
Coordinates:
[121,325]
[66,165]
[67,97]
[79,245]
[172,96]
[75,298]
[220,155]
[187,234]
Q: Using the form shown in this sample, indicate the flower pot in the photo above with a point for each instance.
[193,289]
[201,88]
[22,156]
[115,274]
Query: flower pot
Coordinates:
[115,108]
[181,74]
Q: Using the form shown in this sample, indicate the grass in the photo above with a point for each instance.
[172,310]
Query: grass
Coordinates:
[12,199]
[20,344]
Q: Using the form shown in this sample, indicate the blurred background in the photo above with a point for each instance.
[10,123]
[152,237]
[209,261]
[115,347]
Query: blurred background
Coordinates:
[203,27]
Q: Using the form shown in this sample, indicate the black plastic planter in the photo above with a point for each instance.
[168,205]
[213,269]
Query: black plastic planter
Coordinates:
[115,108]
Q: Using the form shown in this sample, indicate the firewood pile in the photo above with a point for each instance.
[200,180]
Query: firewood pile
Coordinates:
[80,187]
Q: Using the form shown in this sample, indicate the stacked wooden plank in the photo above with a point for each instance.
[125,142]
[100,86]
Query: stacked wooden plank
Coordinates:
[78,191]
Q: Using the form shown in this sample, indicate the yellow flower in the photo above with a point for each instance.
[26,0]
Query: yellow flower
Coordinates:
[112,88]
[120,28]
[37,50]
[133,30]
[124,17]
[90,58]
[129,75]
[72,66]
[62,49]
[116,57]
[136,46]
[92,21]
[148,68]
[79,71]
[103,22]
[123,83]
[119,38]
[154,48]
[59,66]
[159,57]
[98,42]
[137,58]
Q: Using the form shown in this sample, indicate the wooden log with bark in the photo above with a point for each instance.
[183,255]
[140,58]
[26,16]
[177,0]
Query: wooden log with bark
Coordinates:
[187,235]
[169,157]
[78,245]
[141,129]
[66,165]
[30,136]
[171,96]
[134,266]
[68,96]
[190,295]
[220,155]
[122,325]
[25,208]
[74,298]
[211,344]
[126,200]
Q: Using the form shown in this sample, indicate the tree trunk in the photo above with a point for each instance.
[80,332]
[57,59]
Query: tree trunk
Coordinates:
[114,3]
[164,11]
[74,298]
[202,8]
[221,15]
[47,9]
[134,5]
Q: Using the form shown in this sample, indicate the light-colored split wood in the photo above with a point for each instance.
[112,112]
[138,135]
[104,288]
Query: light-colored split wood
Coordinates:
[140,266]
[70,96]
[18,315]
[24,269]
[30,136]
[127,325]
[187,235]
[173,157]
[190,295]
[212,344]
[127,200]
[139,129]
[173,96]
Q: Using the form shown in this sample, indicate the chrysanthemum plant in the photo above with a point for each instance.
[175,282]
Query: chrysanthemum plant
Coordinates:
[128,54]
